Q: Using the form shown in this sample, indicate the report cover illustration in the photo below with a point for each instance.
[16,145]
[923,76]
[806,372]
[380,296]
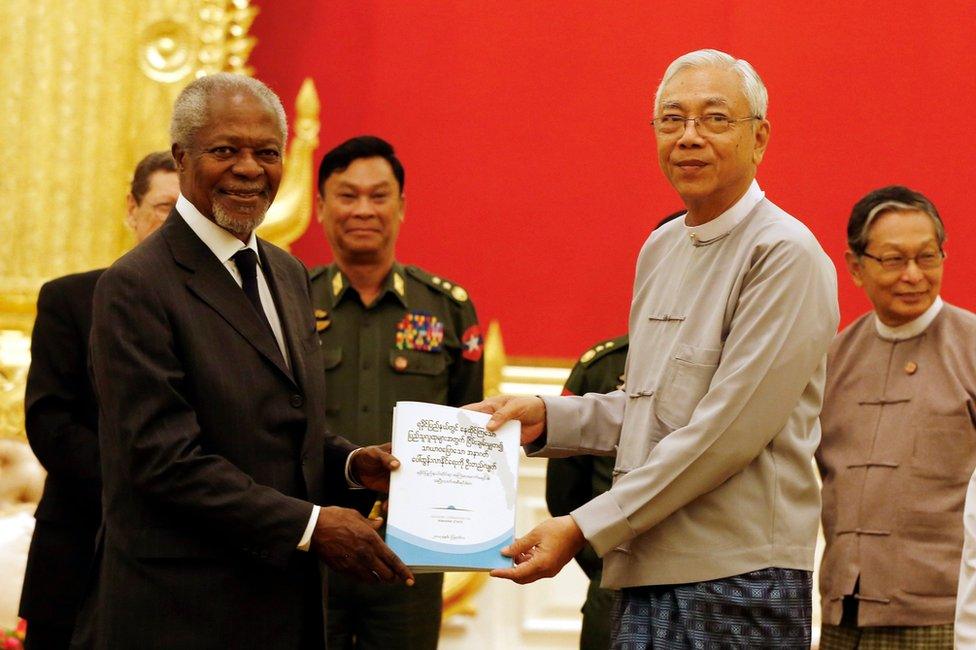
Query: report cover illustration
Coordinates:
[452,502]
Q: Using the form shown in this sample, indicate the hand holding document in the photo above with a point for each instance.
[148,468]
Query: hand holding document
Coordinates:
[529,411]
[549,546]
[543,552]
[452,502]
[371,466]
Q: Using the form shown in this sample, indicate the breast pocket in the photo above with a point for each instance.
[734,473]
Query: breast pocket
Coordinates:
[332,359]
[944,448]
[421,376]
[685,381]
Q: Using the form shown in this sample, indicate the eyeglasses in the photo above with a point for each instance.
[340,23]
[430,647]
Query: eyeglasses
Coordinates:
[926,260]
[714,123]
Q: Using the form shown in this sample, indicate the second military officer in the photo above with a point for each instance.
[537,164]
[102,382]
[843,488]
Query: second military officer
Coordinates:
[389,332]
[573,481]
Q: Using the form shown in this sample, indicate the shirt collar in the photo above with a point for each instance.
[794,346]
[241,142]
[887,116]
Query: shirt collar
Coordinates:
[725,222]
[220,242]
[395,283]
[911,328]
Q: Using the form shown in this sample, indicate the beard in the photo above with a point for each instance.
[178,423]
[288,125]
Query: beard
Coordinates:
[239,222]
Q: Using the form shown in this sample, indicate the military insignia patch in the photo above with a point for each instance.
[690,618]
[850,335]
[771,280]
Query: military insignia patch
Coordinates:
[322,320]
[419,331]
[472,343]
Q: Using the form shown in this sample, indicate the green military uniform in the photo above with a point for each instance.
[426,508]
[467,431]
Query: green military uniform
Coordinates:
[571,482]
[418,341]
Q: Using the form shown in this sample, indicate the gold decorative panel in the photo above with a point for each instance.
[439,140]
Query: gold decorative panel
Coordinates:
[87,91]
[88,88]
[288,216]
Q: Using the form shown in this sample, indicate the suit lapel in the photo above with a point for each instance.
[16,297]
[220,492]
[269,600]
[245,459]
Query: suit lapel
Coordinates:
[290,312]
[213,284]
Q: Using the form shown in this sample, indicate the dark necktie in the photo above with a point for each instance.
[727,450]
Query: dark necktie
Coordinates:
[247,261]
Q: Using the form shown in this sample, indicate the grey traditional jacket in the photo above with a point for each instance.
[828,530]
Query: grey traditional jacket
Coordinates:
[898,450]
[717,423]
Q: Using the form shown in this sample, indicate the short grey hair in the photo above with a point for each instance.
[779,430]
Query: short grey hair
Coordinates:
[752,85]
[191,110]
[893,198]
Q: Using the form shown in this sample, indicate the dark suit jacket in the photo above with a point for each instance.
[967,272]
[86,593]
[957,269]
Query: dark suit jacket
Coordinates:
[212,450]
[62,428]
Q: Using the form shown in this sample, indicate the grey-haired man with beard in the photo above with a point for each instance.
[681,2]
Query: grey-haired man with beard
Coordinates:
[217,466]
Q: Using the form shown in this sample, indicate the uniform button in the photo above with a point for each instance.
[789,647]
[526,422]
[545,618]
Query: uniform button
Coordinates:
[365,408]
[297,401]
[400,364]
[910,368]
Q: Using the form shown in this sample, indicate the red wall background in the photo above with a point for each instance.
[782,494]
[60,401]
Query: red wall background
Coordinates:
[531,169]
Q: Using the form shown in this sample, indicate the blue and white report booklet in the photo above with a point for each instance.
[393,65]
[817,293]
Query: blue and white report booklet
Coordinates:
[452,502]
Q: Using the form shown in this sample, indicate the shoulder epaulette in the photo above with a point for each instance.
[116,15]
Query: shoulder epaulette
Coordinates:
[604,348]
[455,291]
[317,271]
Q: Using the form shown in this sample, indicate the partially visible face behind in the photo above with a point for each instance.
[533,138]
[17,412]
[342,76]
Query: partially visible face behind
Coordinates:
[902,296]
[361,209]
[709,171]
[232,169]
[158,201]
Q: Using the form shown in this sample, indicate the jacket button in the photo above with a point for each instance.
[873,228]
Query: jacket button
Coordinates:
[297,401]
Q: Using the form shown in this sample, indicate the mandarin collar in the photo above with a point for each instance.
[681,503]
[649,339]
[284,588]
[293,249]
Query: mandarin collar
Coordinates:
[723,224]
[912,328]
[220,242]
[395,283]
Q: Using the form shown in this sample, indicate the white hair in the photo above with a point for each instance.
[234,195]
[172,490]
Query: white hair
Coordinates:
[191,110]
[752,86]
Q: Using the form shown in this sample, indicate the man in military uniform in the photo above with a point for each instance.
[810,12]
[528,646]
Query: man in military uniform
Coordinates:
[389,332]
[571,482]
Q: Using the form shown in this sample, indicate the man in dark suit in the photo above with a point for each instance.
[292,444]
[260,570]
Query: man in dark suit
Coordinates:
[62,425]
[215,457]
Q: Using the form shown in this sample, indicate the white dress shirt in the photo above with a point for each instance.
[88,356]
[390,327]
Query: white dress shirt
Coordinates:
[224,245]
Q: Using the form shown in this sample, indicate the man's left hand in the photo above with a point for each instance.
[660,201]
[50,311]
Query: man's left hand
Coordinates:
[544,551]
[371,466]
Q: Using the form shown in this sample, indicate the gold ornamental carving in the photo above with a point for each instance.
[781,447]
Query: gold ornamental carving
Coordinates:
[87,93]
[289,215]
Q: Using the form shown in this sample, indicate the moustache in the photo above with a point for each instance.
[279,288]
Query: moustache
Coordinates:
[260,189]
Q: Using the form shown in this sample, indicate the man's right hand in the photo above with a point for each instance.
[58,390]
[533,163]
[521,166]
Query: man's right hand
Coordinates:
[348,542]
[530,411]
